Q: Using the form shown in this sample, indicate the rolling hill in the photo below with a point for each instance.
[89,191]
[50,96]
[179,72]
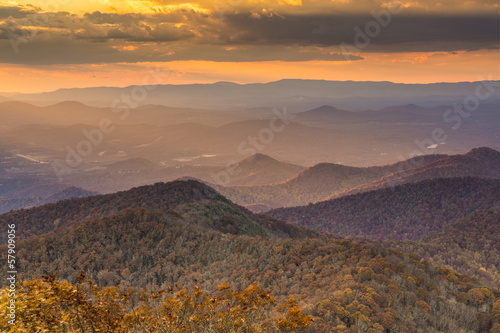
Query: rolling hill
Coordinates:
[172,234]
[182,196]
[404,212]
[60,114]
[479,162]
[40,195]
[326,180]
[257,169]
[313,184]
[327,113]
[69,112]
[169,134]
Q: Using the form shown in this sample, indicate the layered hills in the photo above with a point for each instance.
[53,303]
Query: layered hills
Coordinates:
[156,236]
[326,180]
[409,211]
[188,198]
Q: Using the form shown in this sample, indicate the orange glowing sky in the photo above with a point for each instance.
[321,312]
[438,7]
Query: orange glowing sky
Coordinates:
[46,45]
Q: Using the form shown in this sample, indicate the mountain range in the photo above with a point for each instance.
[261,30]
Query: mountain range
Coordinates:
[173,136]
[326,180]
[297,93]
[174,233]
[358,206]
[259,182]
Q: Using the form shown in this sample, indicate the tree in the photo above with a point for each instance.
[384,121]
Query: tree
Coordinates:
[48,305]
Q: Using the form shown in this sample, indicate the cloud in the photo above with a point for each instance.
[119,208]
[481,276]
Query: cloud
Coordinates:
[183,33]
[336,6]
[70,51]
[403,33]
[16,11]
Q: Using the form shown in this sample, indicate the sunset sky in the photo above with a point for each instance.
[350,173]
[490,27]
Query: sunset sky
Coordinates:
[51,44]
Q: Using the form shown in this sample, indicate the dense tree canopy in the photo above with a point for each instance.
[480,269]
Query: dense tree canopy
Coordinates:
[345,286]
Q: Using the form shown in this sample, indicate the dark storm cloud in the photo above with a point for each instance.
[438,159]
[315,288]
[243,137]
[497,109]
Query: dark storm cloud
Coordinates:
[402,33]
[69,51]
[28,37]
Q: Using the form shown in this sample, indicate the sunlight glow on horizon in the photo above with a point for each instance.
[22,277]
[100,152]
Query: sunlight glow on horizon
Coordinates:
[398,68]
[94,43]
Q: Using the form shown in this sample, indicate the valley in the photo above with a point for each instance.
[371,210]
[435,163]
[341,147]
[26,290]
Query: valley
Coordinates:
[353,219]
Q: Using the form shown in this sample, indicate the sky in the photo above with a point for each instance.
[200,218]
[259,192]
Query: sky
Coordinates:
[51,44]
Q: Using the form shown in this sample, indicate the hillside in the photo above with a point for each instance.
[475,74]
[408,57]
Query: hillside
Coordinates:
[479,162]
[62,113]
[326,180]
[192,199]
[69,112]
[345,286]
[315,183]
[257,169]
[327,113]
[409,114]
[470,246]
[404,212]
[41,195]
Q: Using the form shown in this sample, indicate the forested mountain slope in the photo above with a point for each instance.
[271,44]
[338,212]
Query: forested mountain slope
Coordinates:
[345,286]
[409,211]
[470,246]
[327,180]
[189,198]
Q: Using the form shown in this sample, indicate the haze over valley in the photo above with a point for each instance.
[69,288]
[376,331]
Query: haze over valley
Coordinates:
[255,167]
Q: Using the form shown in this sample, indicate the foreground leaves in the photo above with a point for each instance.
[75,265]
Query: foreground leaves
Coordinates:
[49,305]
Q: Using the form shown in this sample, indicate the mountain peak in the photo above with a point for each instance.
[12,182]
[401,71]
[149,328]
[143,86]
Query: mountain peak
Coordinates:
[484,152]
[257,158]
[413,106]
[260,157]
[260,169]
[327,113]
[68,104]
[227,83]
[403,108]
[325,110]
[325,173]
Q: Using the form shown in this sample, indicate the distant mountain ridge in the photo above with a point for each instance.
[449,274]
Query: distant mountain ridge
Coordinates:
[41,195]
[327,112]
[479,162]
[327,180]
[258,169]
[314,93]
[14,113]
